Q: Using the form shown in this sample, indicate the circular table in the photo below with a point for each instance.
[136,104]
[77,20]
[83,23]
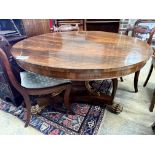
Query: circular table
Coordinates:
[83,56]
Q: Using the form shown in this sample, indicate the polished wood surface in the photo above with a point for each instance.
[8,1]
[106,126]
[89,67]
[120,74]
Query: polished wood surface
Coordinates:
[82,55]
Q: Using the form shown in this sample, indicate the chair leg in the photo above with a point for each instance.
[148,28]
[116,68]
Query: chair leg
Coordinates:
[152,102]
[67,103]
[148,77]
[28,107]
[121,79]
[136,81]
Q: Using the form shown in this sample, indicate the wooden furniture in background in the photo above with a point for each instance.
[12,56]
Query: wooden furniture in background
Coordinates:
[83,56]
[108,25]
[25,89]
[73,22]
[35,27]
[64,28]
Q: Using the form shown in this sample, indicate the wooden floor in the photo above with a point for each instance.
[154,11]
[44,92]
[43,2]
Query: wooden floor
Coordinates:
[135,118]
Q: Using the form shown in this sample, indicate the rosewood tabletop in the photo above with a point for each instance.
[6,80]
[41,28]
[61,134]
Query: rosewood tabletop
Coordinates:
[82,55]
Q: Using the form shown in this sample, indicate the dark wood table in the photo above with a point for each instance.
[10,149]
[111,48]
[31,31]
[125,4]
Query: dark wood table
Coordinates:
[83,56]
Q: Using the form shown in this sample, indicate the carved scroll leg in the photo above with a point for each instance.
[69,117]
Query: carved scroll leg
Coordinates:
[136,81]
[114,108]
[148,77]
[152,102]
[28,107]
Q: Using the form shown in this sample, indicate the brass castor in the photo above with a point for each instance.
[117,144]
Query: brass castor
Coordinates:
[36,109]
[115,108]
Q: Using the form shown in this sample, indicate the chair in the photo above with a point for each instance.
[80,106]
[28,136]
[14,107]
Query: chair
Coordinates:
[33,27]
[142,32]
[33,84]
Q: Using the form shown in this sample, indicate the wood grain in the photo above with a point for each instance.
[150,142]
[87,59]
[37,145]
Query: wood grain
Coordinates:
[35,27]
[82,55]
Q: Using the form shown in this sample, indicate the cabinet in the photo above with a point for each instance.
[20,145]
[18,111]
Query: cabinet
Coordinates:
[108,25]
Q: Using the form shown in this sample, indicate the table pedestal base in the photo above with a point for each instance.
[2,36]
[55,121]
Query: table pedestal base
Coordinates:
[79,93]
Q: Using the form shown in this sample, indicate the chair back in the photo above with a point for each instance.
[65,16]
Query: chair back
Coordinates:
[142,30]
[35,27]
